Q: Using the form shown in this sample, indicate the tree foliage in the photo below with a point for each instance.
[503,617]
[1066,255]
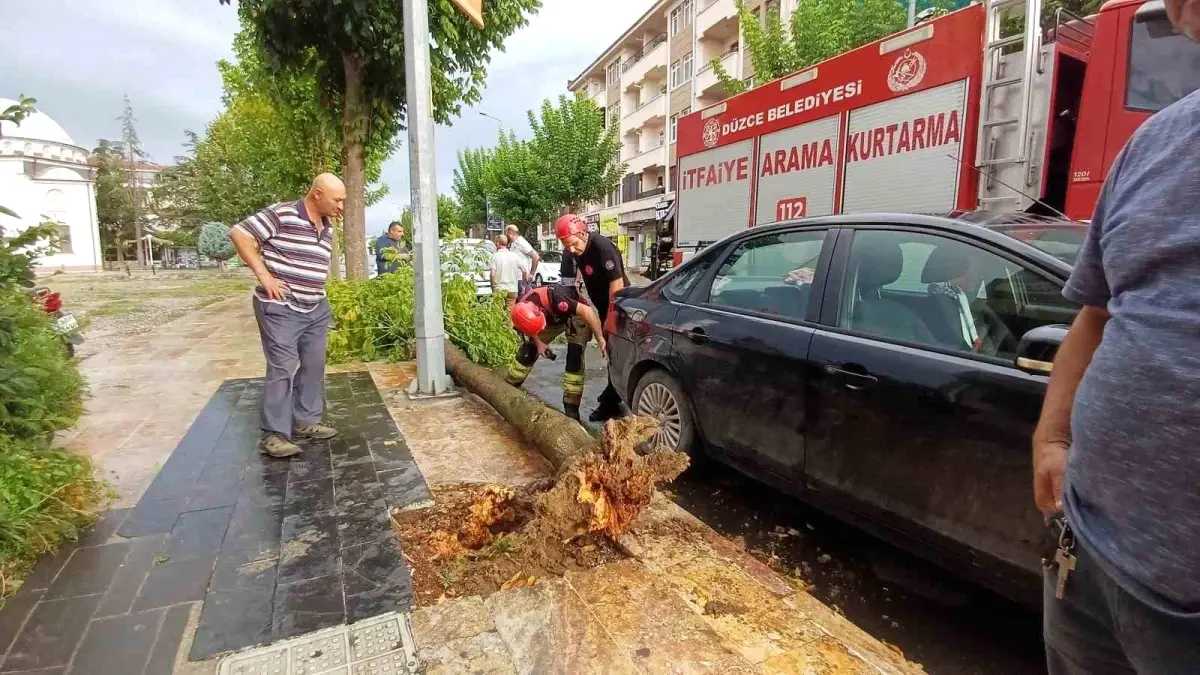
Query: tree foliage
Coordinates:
[517,185]
[356,48]
[214,242]
[817,30]
[470,184]
[450,223]
[114,200]
[577,154]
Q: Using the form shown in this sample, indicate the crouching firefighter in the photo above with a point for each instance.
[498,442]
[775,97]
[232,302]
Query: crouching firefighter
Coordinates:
[543,314]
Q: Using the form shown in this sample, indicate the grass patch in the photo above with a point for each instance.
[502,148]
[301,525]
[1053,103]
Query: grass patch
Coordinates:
[46,498]
[116,308]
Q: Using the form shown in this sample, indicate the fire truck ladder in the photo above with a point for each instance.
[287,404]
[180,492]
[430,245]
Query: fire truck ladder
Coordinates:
[994,119]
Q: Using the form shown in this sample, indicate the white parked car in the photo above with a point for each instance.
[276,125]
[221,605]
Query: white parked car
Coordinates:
[470,258]
[548,268]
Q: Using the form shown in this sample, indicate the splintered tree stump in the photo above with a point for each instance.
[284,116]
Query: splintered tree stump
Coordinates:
[557,437]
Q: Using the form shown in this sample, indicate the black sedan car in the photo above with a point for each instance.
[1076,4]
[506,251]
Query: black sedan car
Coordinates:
[888,368]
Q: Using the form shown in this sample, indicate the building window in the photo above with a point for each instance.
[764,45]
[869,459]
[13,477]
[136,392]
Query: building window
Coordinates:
[594,89]
[681,17]
[614,72]
[675,122]
[681,72]
[64,239]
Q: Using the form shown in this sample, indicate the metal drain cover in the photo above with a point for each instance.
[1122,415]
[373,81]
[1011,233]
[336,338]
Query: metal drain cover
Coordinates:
[379,646]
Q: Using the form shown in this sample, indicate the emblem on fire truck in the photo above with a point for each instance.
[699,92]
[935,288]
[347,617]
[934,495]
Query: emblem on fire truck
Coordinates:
[712,133]
[907,72]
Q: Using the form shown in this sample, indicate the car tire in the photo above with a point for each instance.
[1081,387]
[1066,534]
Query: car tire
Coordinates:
[659,395]
[537,280]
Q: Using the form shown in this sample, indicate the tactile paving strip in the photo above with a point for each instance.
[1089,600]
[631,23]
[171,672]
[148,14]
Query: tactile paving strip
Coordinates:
[379,646]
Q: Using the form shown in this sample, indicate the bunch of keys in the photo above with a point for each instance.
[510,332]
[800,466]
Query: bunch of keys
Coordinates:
[1060,553]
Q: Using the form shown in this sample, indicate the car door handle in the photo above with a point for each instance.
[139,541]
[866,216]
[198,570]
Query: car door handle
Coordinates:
[697,335]
[857,379]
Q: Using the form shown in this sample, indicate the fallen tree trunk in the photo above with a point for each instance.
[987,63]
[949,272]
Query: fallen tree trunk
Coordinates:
[557,437]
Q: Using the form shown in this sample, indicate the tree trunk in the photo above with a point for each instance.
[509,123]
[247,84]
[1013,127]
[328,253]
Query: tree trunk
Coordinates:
[354,128]
[558,437]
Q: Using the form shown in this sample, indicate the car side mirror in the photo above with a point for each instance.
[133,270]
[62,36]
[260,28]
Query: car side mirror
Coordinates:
[1038,347]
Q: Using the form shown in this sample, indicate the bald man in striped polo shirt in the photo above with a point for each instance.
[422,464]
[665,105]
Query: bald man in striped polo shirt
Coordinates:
[288,245]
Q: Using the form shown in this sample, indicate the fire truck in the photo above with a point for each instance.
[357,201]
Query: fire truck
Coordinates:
[994,107]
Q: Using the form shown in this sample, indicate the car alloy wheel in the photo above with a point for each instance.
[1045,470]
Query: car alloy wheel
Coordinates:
[658,402]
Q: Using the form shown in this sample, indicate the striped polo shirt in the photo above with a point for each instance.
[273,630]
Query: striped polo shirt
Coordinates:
[293,252]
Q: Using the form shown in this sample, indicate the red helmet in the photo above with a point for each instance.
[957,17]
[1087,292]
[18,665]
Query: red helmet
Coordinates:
[528,318]
[568,225]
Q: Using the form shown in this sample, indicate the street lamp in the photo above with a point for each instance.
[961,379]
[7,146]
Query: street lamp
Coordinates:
[487,204]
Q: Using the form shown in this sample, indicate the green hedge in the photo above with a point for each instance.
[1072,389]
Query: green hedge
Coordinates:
[373,320]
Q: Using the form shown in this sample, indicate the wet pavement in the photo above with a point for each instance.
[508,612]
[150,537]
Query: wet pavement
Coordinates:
[936,619]
[273,548]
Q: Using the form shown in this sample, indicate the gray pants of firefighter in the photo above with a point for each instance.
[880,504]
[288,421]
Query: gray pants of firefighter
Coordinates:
[294,346]
[578,335]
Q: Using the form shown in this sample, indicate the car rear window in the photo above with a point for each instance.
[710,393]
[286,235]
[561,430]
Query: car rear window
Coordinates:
[1061,241]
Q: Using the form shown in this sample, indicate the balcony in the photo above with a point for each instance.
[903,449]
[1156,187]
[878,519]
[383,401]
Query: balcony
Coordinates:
[654,157]
[707,84]
[647,63]
[716,19]
[652,112]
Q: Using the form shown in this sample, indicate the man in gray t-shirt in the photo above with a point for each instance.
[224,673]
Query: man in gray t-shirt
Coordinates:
[1124,398]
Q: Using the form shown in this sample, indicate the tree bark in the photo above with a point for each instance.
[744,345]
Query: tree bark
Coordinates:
[354,129]
[557,437]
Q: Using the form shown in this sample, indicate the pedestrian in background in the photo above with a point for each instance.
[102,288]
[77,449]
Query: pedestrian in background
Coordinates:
[392,239]
[1115,448]
[509,270]
[520,246]
[288,246]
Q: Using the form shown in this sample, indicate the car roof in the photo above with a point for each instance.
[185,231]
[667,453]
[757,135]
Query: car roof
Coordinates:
[980,225]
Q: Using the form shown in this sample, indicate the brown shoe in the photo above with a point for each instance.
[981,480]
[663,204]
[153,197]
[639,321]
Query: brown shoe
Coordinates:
[315,432]
[278,447]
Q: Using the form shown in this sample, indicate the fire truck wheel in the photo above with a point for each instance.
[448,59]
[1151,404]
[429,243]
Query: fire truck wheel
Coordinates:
[660,396]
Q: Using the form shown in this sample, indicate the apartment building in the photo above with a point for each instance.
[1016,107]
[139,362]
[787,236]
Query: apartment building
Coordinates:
[657,71]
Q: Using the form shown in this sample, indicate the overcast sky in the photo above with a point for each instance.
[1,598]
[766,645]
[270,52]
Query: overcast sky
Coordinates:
[80,57]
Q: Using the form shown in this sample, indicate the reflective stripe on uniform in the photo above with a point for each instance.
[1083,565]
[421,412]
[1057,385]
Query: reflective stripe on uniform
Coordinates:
[572,388]
[517,372]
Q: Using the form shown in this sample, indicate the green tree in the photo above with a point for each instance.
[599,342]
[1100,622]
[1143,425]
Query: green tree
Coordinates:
[450,225]
[470,185]
[114,201]
[518,186]
[358,47]
[214,242]
[817,30]
[134,155]
[577,154]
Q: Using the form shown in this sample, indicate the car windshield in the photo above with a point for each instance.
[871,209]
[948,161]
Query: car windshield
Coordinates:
[1061,240]
[552,256]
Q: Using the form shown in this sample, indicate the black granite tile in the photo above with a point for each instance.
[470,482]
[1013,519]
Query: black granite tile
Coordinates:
[120,644]
[265,483]
[404,487]
[309,496]
[375,579]
[315,463]
[234,572]
[360,496]
[170,583]
[307,606]
[198,534]
[89,571]
[13,614]
[51,633]
[232,620]
[360,526]
[162,657]
[153,516]
[254,530]
[47,568]
[346,450]
[218,485]
[309,547]
[128,580]
[350,476]
[390,452]
[105,528]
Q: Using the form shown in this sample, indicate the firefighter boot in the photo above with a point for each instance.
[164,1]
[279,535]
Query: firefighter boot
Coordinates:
[571,410]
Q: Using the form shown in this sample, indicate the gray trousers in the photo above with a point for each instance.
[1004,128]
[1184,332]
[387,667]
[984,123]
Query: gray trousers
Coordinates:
[1099,628]
[294,346]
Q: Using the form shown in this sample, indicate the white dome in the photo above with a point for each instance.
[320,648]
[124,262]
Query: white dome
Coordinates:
[38,126]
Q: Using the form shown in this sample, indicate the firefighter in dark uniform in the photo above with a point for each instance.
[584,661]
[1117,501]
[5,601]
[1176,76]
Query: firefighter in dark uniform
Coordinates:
[543,314]
[598,264]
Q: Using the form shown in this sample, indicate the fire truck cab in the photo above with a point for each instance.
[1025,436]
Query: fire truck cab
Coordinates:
[998,106]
